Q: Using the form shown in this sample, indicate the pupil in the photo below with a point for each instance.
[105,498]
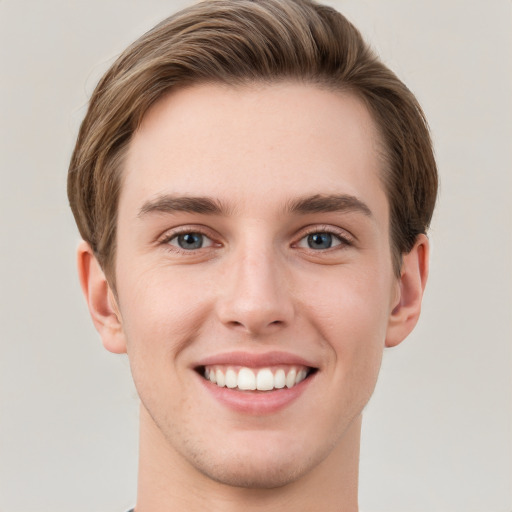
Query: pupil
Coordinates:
[190,241]
[320,241]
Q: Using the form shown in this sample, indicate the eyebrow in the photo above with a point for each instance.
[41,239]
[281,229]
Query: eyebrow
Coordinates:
[192,204]
[328,203]
[317,203]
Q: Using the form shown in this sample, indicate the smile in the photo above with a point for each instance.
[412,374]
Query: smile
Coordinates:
[256,379]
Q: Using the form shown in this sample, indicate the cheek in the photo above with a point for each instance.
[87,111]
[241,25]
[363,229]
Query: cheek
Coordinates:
[352,315]
[351,302]
[161,310]
[161,317]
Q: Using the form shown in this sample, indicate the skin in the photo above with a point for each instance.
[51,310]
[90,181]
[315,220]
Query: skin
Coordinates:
[255,286]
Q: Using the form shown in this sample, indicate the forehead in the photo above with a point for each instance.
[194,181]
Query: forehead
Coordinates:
[254,144]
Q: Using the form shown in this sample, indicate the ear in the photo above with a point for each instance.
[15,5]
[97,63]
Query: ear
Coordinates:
[100,300]
[413,278]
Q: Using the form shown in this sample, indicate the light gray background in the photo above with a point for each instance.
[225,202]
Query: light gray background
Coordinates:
[438,432]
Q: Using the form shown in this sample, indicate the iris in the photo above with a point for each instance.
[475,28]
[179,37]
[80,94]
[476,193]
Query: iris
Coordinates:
[190,241]
[320,241]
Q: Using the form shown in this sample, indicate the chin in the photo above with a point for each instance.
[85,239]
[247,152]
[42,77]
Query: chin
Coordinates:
[254,459]
[265,473]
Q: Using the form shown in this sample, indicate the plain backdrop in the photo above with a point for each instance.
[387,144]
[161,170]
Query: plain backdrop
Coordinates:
[437,435]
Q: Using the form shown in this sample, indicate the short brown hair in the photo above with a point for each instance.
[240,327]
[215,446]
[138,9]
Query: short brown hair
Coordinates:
[237,42]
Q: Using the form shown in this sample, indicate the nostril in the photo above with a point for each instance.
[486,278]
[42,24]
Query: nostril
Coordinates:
[254,327]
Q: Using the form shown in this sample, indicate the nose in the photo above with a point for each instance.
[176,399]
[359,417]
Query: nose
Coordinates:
[255,293]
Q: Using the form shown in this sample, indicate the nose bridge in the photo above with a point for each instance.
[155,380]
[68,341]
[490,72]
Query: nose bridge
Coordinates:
[255,294]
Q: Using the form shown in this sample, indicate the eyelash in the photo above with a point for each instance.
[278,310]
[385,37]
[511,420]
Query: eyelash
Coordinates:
[196,230]
[343,237]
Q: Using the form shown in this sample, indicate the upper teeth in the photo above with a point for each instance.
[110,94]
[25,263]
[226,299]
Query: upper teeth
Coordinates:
[262,379]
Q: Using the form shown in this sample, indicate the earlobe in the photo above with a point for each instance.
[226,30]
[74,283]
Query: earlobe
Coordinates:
[100,300]
[413,278]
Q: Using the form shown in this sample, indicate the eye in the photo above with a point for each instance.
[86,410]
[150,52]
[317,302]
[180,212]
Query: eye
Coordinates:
[190,241]
[321,241]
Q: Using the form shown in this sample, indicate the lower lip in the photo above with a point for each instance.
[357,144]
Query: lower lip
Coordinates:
[257,402]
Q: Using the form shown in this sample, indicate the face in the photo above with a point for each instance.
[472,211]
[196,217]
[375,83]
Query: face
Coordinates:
[254,276]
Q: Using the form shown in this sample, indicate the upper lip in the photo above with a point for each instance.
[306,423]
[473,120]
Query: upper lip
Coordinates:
[253,360]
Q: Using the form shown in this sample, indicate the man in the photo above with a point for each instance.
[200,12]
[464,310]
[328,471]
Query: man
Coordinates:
[253,188]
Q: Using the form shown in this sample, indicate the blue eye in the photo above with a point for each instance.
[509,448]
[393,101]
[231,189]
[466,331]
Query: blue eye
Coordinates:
[321,241]
[190,241]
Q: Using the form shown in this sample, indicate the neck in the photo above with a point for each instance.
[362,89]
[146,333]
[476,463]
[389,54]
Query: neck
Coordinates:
[169,483]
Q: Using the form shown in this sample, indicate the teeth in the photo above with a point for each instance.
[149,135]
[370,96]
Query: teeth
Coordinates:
[246,379]
[219,377]
[280,379]
[290,378]
[231,379]
[300,376]
[263,379]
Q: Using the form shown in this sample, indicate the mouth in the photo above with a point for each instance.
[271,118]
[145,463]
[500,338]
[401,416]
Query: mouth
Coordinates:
[243,378]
